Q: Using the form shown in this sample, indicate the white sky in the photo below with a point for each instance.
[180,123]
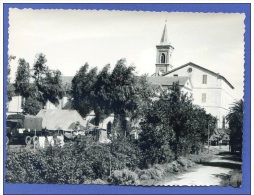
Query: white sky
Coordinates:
[69,38]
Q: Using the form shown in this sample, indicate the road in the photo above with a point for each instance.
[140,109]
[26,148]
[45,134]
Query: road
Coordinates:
[208,173]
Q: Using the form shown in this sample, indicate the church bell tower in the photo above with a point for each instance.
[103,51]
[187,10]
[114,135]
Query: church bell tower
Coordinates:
[164,52]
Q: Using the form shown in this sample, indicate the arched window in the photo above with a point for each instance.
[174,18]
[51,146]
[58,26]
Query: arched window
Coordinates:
[163,58]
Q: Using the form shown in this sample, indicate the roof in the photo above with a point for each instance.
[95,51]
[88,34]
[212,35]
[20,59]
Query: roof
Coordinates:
[203,69]
[164,37]
[167,80]
[60,119]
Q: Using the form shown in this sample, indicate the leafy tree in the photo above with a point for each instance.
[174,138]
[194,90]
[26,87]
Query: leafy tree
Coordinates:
[123,98]
[101,92]
[48,82]
[173,123]
[32,106]
[22,81]
[9,92]
[41,86]
[81,90]
[145,93]
[235,122]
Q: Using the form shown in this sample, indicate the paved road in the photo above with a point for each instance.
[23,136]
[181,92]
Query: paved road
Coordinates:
[208,173]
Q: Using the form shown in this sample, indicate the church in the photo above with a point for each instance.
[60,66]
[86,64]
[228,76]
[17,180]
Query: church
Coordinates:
[209,90]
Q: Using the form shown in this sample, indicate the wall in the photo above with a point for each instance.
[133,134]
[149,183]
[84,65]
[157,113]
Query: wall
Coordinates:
[15,105]
[217,92]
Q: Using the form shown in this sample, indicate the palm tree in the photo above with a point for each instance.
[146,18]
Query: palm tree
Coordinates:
[235,121]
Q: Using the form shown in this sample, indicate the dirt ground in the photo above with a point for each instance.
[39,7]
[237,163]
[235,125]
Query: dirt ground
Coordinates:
[208,173]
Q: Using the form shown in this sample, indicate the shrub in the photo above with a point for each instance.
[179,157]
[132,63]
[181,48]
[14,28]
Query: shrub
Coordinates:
[155,173]
[168,167]
[124,177]
[98,181]
[236,179]
[145,177]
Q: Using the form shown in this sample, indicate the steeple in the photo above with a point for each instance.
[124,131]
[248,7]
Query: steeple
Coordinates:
[164,53]
[164,37]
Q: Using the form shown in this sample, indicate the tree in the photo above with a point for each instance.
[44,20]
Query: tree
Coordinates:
[81,90]
[123,98]
[9,91]
[144,93]
[48,82]
[157,134]
[235,122]
[173,123]
[22,81]
[41,86]
[101,92]
[32,106]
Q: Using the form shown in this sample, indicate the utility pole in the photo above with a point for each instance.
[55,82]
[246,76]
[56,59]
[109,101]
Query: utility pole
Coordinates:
[208,138]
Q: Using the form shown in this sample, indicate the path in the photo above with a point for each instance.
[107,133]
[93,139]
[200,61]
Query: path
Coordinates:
[208,173]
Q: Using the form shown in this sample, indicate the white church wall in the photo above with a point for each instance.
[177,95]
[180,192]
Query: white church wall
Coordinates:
[216,91]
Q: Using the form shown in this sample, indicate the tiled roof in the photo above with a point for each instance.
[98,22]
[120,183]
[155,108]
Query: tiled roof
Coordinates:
[201,68]
[166,81]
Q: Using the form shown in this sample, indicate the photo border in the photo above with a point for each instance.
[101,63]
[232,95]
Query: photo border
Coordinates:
[155,7]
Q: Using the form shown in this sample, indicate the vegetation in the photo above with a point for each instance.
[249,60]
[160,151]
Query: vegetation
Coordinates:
[38,86]
[119,92]
[234,179]
[235,121]
[173,128]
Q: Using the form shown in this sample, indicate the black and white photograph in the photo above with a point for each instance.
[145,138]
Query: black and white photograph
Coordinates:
[124,98]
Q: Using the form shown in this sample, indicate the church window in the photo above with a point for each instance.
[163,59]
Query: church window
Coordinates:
[189,70]
[204,79]
[204,97]
[163,58]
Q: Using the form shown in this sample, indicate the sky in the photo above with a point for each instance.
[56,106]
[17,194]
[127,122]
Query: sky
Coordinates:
[70,38]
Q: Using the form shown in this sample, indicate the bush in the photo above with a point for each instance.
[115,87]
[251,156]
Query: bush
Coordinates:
[236,179]
[98,181]
[168,167]
[124,177]
[154,173]
[145,177]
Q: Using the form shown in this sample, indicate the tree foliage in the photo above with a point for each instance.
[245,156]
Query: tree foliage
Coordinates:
[106,92]
[235,122]
[22,81]
[173,123]
[39,85]
[82,90]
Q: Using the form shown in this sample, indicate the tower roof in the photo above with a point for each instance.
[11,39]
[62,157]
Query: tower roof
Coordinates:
[164,37]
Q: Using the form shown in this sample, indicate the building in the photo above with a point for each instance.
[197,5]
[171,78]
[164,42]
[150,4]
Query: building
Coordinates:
[209,90]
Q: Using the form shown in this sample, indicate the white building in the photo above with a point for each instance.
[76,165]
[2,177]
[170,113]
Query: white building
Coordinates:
[210,90]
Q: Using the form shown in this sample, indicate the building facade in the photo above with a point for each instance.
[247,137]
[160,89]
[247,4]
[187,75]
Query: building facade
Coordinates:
[210,90]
